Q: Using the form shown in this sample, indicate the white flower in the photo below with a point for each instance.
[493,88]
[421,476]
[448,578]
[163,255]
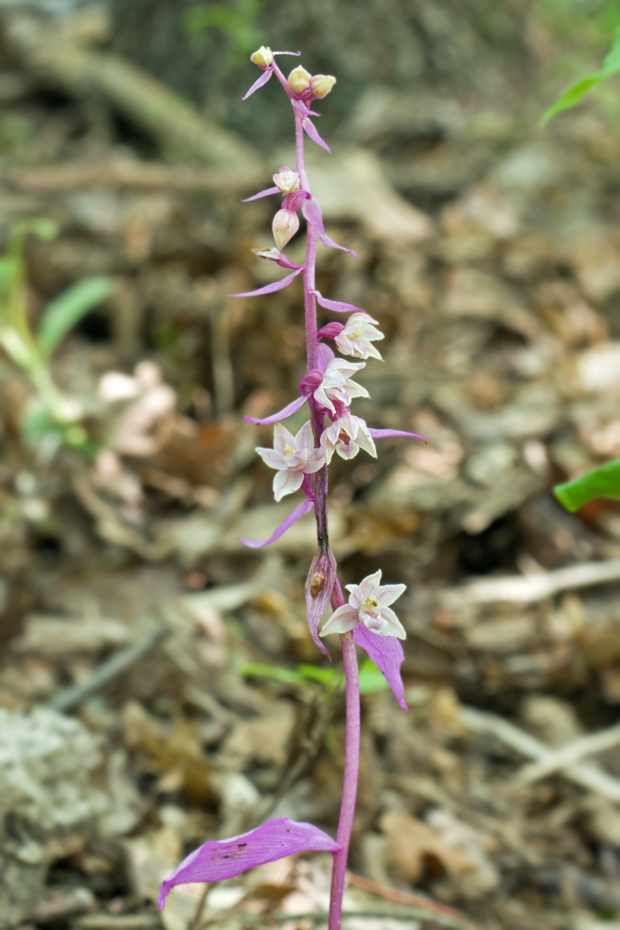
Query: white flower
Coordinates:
[346,436]
[337,386]
[358,335]
[293,457]
[287,180]
[368,604]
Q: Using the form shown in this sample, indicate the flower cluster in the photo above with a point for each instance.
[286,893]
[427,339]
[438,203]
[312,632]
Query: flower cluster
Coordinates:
[300,462]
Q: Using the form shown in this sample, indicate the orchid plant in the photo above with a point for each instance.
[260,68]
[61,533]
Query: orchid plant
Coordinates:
[301,464]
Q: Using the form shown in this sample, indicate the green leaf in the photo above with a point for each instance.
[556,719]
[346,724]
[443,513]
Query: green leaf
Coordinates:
[371,678]
[611,65]
[68,309]
[573,95]
[259,670]
[601,482]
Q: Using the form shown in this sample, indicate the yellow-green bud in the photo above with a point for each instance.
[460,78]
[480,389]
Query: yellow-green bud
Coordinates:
[263,57]
[321,84]
[285,225]
[299,79]
[287,180]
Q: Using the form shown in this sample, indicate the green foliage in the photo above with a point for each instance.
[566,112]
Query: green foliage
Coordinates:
[236,20]
[601,482]
[65,311]
[50,419]
[371,677]
[580,88]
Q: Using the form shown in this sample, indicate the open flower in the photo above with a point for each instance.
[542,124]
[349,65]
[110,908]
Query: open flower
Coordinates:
[358,335]
[369,603]
[346,436]
[293,456]
[336,384]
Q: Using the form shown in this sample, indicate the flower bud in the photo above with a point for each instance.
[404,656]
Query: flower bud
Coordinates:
[321,84]
[287,180]
[285,225]
[274,255]
[299,80]
[294,201]
[263,57]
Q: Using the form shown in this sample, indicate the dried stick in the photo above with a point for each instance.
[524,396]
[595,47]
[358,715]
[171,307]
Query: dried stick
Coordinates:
[568,754]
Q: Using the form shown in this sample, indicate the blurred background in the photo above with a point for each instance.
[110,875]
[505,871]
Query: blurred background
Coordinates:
[158,685]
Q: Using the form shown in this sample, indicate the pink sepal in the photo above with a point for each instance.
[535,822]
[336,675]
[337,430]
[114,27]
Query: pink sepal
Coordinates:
[312,132]
[286,53]
[324,355]
[312,211]
[385,433]
[388,654]
[330,331]
[300,511]
[219,859]
[319,587]
[265,193]
[259,82]
[269,288]
[303,108]
[338,306]
[287,411]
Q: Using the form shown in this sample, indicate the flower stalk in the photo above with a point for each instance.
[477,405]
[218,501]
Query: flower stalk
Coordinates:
[301,463]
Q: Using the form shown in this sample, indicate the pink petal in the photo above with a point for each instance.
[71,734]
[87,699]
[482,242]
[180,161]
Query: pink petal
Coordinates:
[269,288]
[319,591]
[303,108]
[300,511]
[220,859]
[266,193]
[325,356]
[287,411]
[384,433]
[388,654]
[312,132]
[258,83]
[312,211]
[338,306]
[286,53]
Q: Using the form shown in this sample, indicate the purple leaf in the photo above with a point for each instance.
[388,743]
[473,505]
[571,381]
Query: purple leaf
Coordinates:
[338,306]
[287,411]
[219,859]
[385,433]
[312,132]
[386,652]
[269,288]
[319,587]
[300,511]
[259,82]
[312,211]
[266,193]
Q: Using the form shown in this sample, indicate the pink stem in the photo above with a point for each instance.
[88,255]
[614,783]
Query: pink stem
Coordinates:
[352,745]
[351,770]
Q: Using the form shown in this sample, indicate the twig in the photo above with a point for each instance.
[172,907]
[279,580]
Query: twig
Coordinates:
[523,589]
[71,697]
[439,912]
[585,774]
[196,921]
[569,754]
[127,173]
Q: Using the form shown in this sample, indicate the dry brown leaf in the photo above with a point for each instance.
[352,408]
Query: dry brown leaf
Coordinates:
[412,844]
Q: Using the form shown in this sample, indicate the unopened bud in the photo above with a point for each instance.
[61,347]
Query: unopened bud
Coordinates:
[263,57]
[299,80]
[321,84]
[285,225]
[287,180]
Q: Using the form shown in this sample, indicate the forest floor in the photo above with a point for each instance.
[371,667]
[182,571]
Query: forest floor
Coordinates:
[158,684]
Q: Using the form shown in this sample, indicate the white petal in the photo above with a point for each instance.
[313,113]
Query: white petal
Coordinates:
[347,450]
[272,458]
[282,438]
[285,482]
[355,597]
[341,621]
[316,460]
[393,626]
[305,437]
[388,593]
[370,583]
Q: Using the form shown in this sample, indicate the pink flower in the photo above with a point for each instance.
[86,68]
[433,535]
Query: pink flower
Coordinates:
[293,457]
[369,603]
[346,436]
[336,384]
[357,336]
